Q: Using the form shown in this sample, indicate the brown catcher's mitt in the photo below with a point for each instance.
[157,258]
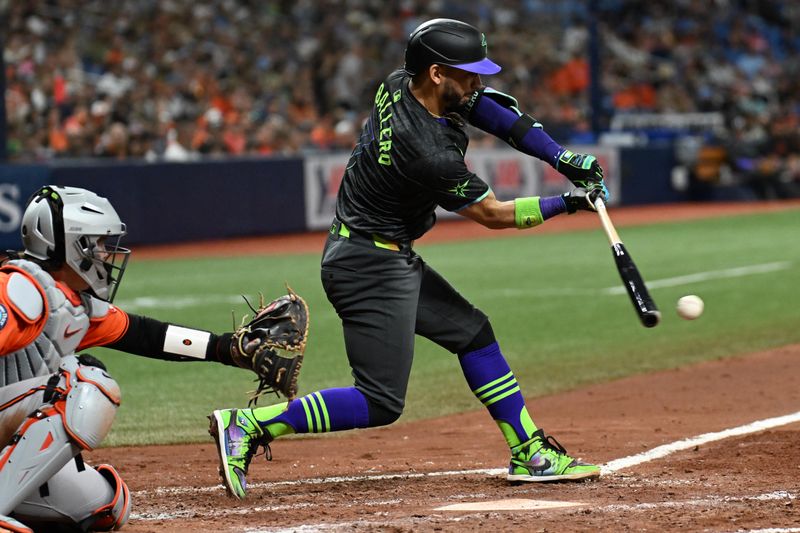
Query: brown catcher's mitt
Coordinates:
[272,344]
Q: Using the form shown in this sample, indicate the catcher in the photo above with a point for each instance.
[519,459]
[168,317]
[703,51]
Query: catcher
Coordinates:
[55,301]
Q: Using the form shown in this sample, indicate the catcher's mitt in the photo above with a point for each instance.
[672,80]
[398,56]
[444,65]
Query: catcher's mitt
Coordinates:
[272,344]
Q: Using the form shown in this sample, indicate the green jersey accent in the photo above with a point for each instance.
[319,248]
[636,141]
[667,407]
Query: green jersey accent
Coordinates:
[459,190]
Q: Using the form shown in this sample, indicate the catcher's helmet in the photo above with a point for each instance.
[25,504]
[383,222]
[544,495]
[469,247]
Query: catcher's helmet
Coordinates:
[76,227]
[448,42]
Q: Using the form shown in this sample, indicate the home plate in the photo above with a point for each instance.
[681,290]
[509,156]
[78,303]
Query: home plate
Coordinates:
[514,504]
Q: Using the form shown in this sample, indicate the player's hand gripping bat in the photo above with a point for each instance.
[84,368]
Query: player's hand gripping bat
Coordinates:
[634,284]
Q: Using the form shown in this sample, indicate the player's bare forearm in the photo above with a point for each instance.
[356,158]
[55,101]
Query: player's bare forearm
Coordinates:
[491,212]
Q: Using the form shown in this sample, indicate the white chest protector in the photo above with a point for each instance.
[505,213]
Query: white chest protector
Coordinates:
[66,326]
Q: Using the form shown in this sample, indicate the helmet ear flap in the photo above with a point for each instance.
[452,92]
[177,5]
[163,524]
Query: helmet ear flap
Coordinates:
[55,256]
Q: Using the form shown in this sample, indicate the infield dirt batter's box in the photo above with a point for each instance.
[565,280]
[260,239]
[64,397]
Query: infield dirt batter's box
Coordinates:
[509,173]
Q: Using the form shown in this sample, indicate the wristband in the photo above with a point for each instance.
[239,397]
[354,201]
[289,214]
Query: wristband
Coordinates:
[186,341]
[527,212]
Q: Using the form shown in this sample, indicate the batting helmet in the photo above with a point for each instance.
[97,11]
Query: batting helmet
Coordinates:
[448,42]
[76,227]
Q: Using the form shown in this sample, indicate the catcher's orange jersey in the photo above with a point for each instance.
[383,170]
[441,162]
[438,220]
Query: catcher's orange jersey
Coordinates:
[18,330]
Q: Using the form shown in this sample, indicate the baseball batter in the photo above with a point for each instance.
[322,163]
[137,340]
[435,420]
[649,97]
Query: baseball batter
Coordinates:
[409,160]
[55,300]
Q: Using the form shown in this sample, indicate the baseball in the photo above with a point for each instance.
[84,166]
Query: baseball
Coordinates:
[690,307]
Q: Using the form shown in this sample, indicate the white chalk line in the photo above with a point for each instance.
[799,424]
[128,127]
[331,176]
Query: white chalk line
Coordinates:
[736,272]
[177,302]
[677,281]
[710,501]
[771,530]
[609,468]
[183,302]
[778,495]
[705,438]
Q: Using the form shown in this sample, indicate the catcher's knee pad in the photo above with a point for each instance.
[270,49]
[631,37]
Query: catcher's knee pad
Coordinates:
[88,403]
[79,497]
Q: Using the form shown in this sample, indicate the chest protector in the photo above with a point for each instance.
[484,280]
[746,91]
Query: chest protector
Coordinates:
[64,330]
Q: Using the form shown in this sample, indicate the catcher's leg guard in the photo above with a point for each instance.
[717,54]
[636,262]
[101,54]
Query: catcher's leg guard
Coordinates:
[83,408]
[89,499]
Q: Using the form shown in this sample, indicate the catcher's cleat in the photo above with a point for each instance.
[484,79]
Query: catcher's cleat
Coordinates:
[543,459]
[238,437]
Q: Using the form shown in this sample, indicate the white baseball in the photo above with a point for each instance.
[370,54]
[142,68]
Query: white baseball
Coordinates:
[690,307]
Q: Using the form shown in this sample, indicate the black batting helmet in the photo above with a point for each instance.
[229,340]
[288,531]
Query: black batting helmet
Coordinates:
[448,42]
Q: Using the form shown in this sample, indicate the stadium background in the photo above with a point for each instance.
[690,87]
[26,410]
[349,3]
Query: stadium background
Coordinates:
[230,120]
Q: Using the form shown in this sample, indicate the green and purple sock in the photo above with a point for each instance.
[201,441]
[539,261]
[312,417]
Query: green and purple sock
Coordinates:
[318,412]
[493,383]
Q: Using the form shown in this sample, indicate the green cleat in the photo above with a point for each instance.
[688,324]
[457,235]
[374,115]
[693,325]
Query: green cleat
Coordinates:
[543,459]
[238,437]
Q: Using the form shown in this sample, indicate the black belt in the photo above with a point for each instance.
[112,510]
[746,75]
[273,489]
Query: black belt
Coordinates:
[340,230]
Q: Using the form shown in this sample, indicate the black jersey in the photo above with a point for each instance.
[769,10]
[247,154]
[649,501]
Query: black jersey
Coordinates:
[407,162]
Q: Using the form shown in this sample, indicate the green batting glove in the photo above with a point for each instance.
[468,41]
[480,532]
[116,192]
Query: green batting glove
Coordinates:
[580,169]
[583,199]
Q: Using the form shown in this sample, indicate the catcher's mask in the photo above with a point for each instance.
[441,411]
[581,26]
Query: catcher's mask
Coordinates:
[448,42]
[75,227]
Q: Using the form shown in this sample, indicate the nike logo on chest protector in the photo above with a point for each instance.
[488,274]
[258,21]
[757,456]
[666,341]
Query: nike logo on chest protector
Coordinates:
[66,327]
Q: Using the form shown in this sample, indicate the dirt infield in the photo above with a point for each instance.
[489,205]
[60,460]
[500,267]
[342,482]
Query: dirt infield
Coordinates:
[397,478]
[740,483]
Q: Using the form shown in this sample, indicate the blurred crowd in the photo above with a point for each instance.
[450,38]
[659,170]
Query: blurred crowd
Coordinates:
[184,79]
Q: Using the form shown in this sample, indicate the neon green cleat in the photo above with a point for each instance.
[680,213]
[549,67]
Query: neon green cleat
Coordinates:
[238,437]
[543,459]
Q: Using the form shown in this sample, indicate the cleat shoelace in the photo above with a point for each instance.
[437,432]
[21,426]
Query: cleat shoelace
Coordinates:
[549,442]
[252,451]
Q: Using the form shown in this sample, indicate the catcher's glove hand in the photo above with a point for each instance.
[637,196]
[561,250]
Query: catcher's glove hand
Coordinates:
[272,344]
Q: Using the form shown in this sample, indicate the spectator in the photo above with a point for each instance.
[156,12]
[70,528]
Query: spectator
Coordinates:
[200,78]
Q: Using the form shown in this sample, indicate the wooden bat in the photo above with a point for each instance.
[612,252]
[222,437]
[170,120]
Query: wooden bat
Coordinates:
[634,284]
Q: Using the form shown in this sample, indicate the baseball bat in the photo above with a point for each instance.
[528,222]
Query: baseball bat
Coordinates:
[645,307]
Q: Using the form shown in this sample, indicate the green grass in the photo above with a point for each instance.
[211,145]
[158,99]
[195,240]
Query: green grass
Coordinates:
[556,326]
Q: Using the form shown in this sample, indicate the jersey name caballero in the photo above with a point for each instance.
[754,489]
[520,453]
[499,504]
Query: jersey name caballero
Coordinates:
[407,162]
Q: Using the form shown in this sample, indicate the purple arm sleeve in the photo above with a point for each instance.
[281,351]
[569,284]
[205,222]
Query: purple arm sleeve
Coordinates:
[493,118]
[552,206]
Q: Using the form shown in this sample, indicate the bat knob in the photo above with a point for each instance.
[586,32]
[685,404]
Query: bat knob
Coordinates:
[651,319]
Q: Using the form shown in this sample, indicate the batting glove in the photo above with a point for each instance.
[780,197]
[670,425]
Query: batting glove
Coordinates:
[583,198]
[580,169]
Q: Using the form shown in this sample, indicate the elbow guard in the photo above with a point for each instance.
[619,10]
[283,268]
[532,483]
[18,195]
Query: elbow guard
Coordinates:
[518,128]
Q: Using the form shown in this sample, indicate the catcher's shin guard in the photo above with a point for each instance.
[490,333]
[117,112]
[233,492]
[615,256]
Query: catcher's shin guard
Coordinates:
[38,450]
[83,407]
[81,497]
